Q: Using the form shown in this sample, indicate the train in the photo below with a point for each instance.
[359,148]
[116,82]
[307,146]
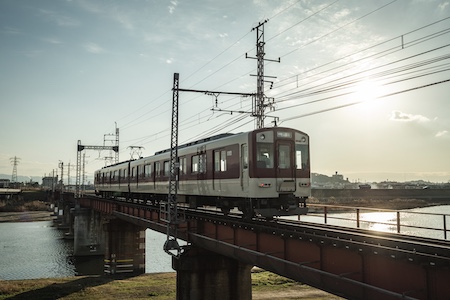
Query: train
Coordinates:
[264,172]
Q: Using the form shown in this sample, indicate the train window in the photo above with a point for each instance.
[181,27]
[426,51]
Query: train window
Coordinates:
[264,155]
[301,156]
[147,170]
[244,153]
[133,172]
[182,165]
[284,156]
[194,164]
[220,161]
[198,163]
[166,168]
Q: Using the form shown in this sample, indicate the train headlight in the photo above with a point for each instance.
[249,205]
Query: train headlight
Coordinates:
[262,137]
[264,185]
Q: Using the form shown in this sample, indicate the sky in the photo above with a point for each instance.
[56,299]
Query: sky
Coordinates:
[367,80]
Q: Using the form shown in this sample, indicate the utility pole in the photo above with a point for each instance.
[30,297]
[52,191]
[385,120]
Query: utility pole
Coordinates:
[68,176]
[169,210]
[115,141]
[260,104]
[61,182]
[80,164]
[15,161]
[80,148]
[83,178]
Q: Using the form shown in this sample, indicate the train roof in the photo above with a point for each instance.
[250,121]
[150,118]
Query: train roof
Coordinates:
[201,141]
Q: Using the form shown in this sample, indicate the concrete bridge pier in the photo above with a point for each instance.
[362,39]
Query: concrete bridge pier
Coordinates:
[204,275]
[89,241]
[89,237]
[125,247]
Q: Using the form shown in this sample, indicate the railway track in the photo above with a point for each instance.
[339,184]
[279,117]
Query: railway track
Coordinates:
[397,246]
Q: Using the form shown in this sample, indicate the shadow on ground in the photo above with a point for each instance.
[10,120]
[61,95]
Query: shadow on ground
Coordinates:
[59,290]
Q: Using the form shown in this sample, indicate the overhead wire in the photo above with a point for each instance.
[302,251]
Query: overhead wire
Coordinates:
[399,47]
[338,82]
[212,131]
[359,102]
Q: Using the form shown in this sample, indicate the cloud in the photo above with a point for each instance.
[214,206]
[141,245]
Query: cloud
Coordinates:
[50,40]
[443,6]
[32,53]
[421,124]
[404,117]
[442,134]
[93,48]
[172,6]
[169,61]
[59,19]
[10,30]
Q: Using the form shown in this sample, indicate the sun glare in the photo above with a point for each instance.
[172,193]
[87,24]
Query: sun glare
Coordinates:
[366,94]
[379,221]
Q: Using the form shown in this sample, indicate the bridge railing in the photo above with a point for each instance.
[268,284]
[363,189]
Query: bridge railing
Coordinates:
[424,224]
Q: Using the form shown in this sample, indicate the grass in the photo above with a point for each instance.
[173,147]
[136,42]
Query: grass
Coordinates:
[160,286]
[153,286]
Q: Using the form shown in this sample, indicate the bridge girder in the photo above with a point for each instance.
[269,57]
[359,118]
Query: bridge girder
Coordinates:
[349,269]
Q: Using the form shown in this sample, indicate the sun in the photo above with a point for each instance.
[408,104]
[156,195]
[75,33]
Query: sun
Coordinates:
[366,96]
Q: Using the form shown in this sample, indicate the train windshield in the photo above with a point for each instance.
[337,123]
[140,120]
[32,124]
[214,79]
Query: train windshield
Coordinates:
[264,155]
[301,156]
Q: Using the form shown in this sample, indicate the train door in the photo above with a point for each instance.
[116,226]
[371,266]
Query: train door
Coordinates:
[285,171]
[244,167]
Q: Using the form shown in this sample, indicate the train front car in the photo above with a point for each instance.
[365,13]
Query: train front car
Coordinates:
[279,172]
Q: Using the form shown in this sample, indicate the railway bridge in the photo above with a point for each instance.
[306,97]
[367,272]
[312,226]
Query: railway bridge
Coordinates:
[221,250]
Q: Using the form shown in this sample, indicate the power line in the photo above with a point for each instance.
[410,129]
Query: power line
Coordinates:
[359,102]
[339,28]
[376,55]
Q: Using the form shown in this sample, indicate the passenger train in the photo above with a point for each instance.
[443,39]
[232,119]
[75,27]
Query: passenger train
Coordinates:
[263,172]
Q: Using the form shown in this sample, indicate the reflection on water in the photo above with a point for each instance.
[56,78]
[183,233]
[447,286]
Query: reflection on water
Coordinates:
[34,250]
[426,222]
[31,250]
[380,221]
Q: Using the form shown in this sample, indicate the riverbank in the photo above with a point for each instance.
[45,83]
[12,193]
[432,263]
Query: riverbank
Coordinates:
[26,216]
[158,286]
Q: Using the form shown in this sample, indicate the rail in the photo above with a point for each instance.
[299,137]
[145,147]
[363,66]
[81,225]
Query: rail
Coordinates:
[400,221]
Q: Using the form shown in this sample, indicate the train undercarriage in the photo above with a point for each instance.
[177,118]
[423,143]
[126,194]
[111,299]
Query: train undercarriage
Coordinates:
[285,205]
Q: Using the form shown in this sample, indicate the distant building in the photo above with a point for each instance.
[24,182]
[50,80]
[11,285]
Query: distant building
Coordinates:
[337,177]
[4,183]
[49,182]
[365,186]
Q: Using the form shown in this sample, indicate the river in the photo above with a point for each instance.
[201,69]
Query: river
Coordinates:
[31,250]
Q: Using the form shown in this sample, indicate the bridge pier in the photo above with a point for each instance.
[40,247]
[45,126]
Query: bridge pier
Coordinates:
[204,275]
[88,233]
[125,247]
[64,204]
